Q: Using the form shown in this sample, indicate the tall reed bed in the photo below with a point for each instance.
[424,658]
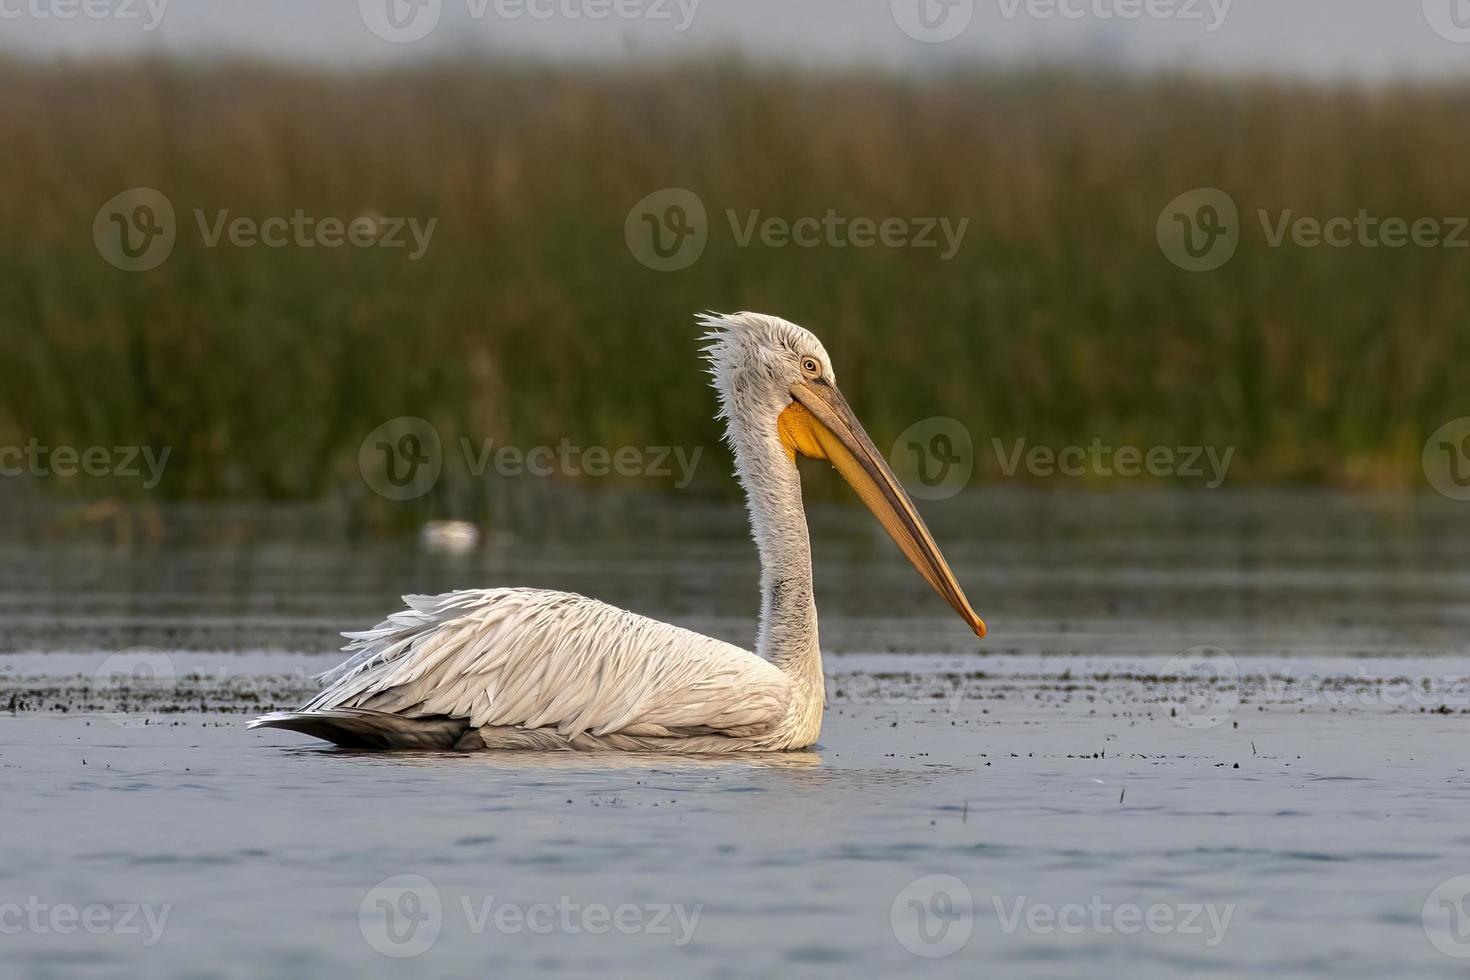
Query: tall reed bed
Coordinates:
[528,320]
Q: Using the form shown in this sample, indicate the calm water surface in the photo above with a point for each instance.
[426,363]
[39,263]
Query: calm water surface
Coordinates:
[1088,790]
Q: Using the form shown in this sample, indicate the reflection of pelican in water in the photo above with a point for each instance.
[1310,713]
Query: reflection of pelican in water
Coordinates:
[674,763]
[533,669]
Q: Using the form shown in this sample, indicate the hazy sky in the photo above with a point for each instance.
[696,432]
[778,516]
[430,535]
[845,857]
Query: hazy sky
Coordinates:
[1343,38]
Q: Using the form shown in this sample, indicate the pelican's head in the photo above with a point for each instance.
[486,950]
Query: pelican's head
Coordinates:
[775,382]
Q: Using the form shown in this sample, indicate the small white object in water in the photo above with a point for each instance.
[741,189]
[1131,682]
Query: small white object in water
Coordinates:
[449,537]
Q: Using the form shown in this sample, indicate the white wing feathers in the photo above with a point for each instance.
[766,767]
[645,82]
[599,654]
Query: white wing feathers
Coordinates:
[537,659]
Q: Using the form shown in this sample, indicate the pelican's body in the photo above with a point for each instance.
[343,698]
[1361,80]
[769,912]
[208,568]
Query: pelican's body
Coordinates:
[531,668]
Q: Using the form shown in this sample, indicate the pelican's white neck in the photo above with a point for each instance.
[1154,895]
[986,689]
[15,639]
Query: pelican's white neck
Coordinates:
[788,624]
[754,360]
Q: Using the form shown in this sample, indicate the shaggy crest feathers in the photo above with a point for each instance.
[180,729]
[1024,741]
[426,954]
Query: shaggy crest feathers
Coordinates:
[748,350]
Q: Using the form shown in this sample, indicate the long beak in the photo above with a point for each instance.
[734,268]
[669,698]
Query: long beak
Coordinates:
[840,438]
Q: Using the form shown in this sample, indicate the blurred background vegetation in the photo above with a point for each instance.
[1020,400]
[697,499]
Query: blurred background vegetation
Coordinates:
[528,321]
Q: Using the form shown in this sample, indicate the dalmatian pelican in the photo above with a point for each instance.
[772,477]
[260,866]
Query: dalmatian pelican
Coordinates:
[536,669]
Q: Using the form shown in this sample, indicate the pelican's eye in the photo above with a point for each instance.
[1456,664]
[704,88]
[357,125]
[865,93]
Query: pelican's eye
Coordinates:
[810,366]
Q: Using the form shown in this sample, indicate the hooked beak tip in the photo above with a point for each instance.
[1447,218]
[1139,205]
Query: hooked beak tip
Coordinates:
[979,627]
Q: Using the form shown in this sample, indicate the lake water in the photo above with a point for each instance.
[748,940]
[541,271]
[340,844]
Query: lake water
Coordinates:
[1210,732]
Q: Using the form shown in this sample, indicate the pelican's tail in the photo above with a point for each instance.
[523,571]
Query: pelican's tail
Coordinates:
[362,728]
